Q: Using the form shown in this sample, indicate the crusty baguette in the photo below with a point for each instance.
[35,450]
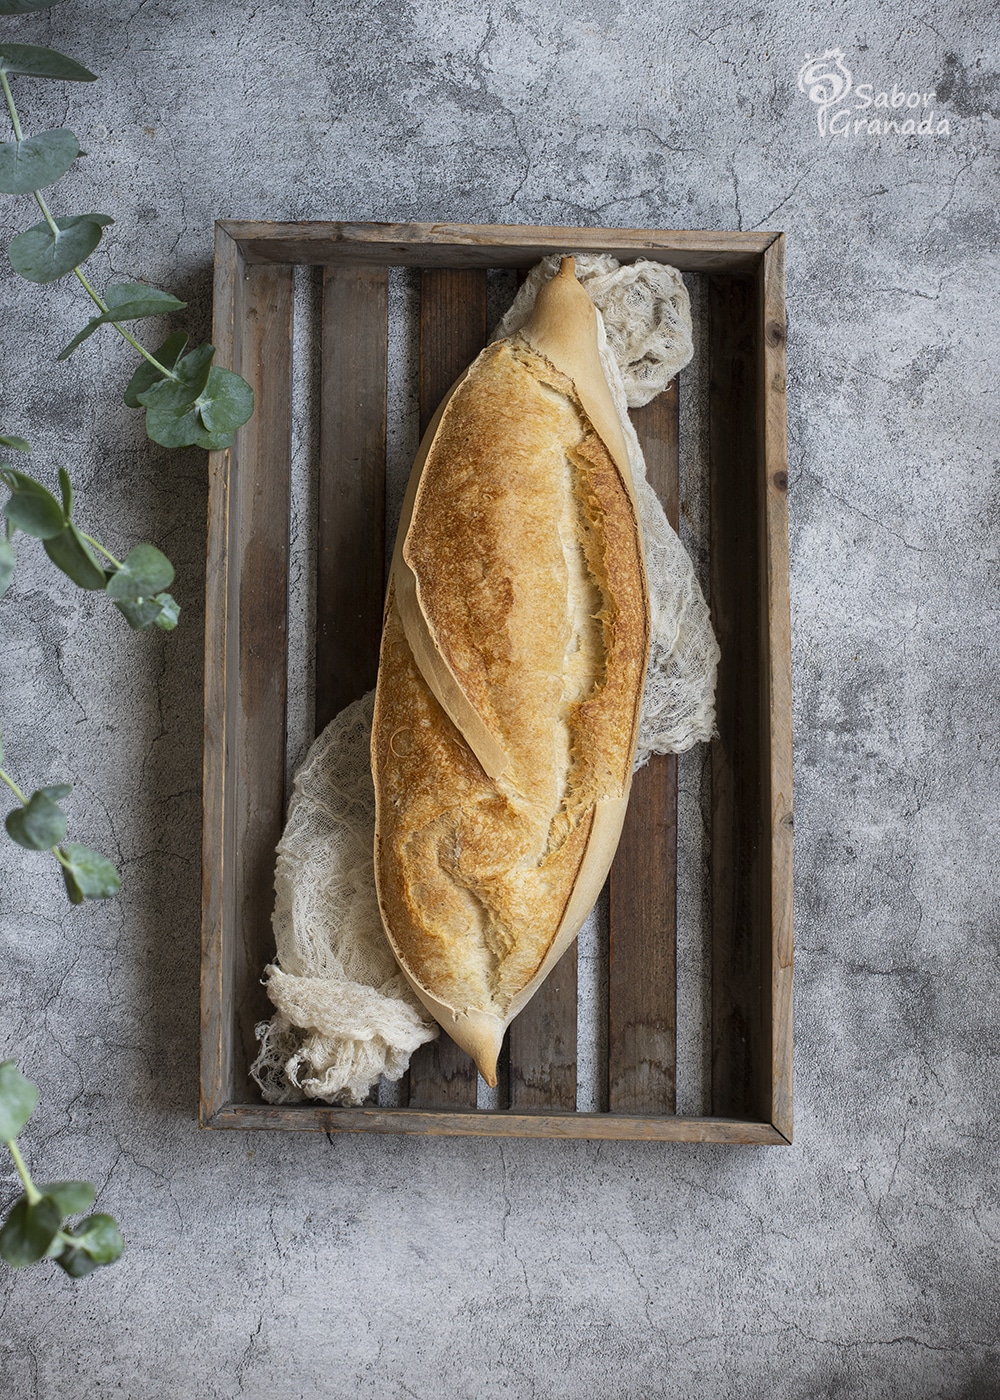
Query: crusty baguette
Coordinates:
[513,657]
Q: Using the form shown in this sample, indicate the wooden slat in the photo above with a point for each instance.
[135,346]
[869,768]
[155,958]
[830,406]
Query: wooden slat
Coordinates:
[543,1042]
[218,989]
[351,542]
[740,924]
[452,333]
[642,993]
[776,711]
[605,1127]
[260,466]
[491,245]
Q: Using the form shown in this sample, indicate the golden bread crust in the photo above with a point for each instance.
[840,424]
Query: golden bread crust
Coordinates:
[526,557]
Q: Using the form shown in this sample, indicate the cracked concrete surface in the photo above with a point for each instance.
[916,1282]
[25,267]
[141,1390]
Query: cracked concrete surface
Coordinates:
[861,1262]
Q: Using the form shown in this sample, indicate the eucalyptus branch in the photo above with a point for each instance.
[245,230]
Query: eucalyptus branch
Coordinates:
[136,584]
[189,401]
[36,1226]
[39,824]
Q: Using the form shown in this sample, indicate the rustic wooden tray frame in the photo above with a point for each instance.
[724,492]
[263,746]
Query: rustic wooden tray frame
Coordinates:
[245,677]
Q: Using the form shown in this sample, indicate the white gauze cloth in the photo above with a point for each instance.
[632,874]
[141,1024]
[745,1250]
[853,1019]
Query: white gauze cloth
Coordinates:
[345,1014]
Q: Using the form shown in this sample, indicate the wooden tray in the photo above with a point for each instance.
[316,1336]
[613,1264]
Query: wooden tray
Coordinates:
[246,675]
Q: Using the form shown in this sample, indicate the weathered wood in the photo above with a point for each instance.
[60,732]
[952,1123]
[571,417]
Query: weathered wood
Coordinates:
[642,998]
[491,245]
[740,916]
[351,540]
[775,631]
[260,464]
[218,988]
[752,931]
[452,333]
[442,1076]
[246,623]
[543,1042]
[605,1127]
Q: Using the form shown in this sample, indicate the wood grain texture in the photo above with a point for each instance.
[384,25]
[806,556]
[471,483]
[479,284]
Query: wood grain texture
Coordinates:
[642,991]
[260,480]
[452,333]
[607,1127]
[490,245]
[776,627]
[218,1008]
[740,916]
[542,1042]
[351,536]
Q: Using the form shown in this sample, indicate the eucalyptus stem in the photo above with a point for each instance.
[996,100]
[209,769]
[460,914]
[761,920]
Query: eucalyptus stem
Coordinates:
[100,548]
[53,226]
[14,788]
[104,308]
[14,121]
[30,1189]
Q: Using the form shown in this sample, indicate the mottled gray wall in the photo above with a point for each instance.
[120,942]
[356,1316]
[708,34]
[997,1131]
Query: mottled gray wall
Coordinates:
[860,1262]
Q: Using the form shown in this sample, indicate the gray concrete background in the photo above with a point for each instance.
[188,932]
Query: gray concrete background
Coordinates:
[863,1260]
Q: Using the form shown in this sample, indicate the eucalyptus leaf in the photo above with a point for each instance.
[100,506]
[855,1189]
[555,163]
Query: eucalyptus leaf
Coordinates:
[39,255]
[28,1231]
[66,492]
[169,612]
[57,791]
[71,1197]
[162,611]
[144,573]
[227,401]
[144,302]
[175,395]
[100,1237]
[18,1097]
[214,442]
[36,161]
[142,614]
[8,561]
[39,825]
[89,874]
[70,552]
[31,507]
[201,407]
[76,1262]
[147,375]
[174,425]
[36,62]
[17,443]
[24,7]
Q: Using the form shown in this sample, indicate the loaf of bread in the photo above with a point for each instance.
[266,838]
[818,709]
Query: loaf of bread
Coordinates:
[510,682]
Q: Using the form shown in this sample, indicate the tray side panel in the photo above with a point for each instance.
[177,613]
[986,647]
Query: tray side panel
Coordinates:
[740,919]
[351,541]
[605,1127]
[452,333]
[642,994]
[492,245]
[257,671]
[775,631]
[218,991]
